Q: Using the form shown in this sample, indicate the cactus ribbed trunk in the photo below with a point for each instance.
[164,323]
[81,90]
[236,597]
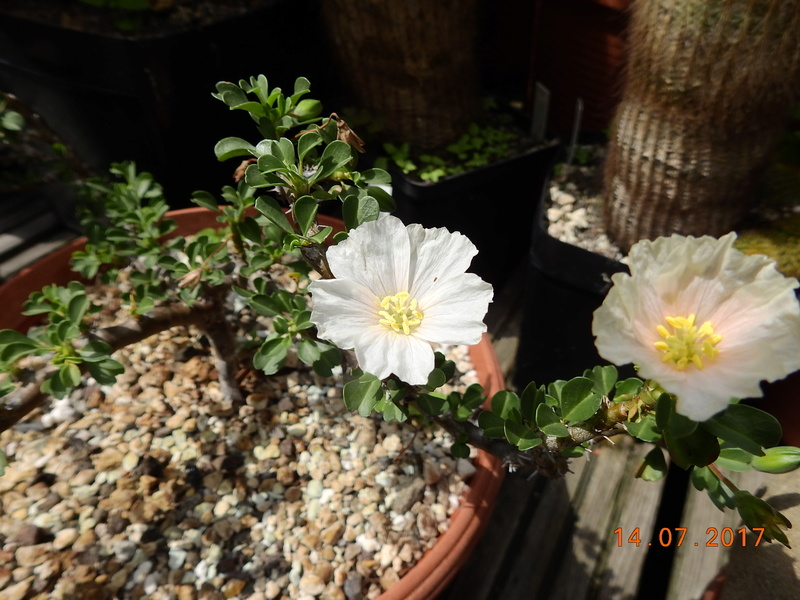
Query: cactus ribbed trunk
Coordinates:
[413,63]
[709,87]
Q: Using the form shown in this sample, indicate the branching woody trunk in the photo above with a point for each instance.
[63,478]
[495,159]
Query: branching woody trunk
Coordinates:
[709,86]
[206,316]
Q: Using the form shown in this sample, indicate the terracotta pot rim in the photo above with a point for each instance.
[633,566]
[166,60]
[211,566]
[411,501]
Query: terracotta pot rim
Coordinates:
[438,565]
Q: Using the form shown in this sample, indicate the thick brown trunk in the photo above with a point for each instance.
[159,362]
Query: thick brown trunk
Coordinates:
[709,86]
[412,63]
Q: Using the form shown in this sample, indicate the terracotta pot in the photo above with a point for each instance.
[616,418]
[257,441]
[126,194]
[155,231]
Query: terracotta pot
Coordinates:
[437,567]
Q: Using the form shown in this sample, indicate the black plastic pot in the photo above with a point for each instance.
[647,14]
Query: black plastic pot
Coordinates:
[493,206]
[148,97]
[565,285]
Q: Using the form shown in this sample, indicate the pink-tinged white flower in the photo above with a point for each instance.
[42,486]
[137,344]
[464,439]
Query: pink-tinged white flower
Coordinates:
[396,290]
[705,321]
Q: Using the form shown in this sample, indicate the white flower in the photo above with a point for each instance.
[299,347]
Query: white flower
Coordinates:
[702,319]
[396,290]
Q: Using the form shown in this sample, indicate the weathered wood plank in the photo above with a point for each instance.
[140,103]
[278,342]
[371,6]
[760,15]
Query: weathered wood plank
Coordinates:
[619,571]
[595,504]
[547,535]
[767,571]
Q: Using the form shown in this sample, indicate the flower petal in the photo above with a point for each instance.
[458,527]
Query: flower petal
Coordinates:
[342,309]
[385,258]
[382,352]
[375,254]
[749,304]
[454,310]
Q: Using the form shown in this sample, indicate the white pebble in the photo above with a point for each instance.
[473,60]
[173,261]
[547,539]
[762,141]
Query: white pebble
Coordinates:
[177,556]
[314,488]
[465,468]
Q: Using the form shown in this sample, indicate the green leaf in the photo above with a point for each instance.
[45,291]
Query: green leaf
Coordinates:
[579,401]
[256,179]
[308,351]
[269,208]
[205,200]
[734,459]
[629,387]
[436,379]
[698,448]
[272,354]
[3,463]
[704,479]
[432,404]
[522,436]
[305,211]
[669,420]
[459,450]
[230,94]
[357,210]
[493,426]
[12,352]
[323,234]
[385,201]
[604,379]
[653,466]
[250,230]
[391,411]
[269,163]
[105,371]
[55,386]
[286,150]
[306,142]
[746,427]
[335,156]
[10,336]
[645,428]
[473,397]
[363,394]
[448,367]
[301,86]
[329,357]
[573,452]
[504,403]
[376,177]
[233,146]
[95,351]
[554,390]
[530,400]
[549,422]
[77,308]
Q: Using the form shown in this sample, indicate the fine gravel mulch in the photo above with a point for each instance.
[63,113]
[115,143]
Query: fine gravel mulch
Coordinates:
[158,487]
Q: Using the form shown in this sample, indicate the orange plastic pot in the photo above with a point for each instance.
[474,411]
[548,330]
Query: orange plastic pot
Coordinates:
[441,563]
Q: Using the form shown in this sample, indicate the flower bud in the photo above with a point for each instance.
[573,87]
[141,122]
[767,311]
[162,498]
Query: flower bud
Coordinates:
[780,459]
[307,109]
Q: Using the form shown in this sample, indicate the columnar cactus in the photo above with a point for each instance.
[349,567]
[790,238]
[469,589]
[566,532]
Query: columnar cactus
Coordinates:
[709,86]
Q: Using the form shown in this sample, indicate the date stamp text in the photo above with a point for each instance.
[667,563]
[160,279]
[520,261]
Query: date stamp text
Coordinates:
[676,537]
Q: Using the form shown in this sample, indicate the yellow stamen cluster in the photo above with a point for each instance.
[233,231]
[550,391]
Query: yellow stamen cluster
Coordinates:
[400,314]
[687,343]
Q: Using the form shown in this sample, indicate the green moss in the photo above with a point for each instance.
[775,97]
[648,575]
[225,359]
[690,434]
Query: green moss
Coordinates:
[780,240]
